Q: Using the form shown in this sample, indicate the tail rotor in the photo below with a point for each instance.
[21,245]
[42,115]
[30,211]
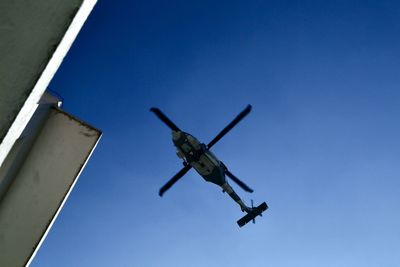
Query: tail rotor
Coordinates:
[252,207]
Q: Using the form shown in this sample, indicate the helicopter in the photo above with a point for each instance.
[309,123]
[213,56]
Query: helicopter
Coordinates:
[198,156]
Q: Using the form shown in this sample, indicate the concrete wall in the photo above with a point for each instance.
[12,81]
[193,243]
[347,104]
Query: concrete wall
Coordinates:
[42,184]
[35,35]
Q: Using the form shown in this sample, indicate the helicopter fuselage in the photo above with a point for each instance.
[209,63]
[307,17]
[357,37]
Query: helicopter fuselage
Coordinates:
[204,162]
[195,153]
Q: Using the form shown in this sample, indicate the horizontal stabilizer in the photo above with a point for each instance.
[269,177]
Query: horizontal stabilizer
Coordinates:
[252,214]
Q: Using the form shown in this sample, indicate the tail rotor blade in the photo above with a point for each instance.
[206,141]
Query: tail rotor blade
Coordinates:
[252,207]
[164,119]
[174,179]
[238,182]
[230,125]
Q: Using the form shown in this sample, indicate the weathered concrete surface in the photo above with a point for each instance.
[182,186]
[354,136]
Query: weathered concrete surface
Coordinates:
[42,185]
[35,35]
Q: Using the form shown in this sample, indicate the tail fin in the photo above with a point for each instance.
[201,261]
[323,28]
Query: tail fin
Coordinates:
[252,214]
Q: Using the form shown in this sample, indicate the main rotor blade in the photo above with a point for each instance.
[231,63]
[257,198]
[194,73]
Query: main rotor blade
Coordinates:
[174,179]
[230,125]
[165,119]
[238,182]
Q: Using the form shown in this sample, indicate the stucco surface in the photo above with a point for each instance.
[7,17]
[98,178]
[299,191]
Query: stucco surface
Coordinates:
[42,185]
[30,31]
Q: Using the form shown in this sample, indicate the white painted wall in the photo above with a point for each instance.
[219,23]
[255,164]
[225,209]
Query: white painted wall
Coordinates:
[35,35]
[39,190]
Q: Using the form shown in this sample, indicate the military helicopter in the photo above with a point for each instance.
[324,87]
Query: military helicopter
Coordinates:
[198,156]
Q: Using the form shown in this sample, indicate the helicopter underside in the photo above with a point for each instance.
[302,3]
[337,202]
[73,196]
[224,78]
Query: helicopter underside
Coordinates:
[201,159]
[210,169]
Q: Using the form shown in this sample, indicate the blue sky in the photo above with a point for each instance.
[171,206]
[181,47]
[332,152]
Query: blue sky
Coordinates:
[321,145]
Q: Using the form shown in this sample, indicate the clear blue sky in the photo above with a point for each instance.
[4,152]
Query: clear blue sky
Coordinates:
[321,146]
